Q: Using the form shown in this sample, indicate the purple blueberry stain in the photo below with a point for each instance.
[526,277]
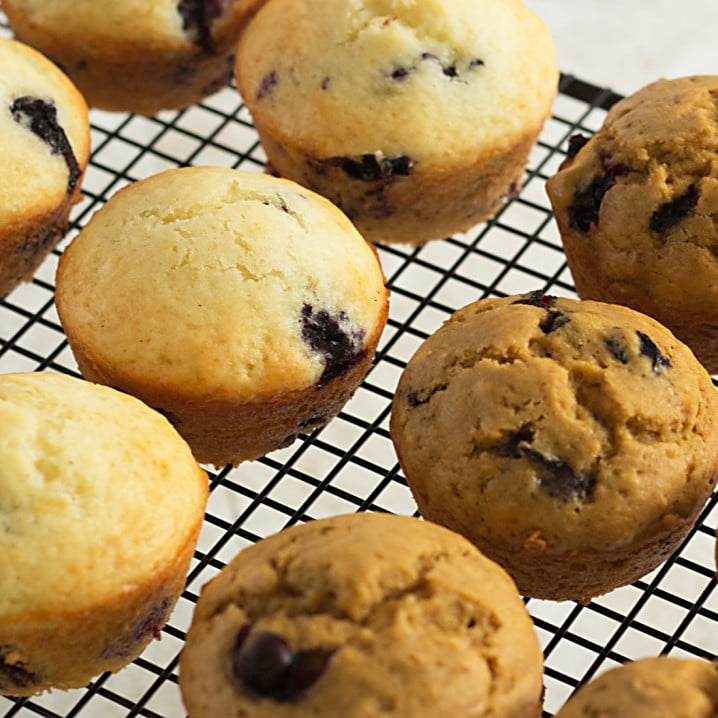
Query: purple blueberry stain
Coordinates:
[584,208]
[263,663]
[40,117]
[400,73]
[267,85]
[647,348]
[575,143]
[197,17]
[326,81]
[671,213]
[148,625]
[15,674]
[328,334]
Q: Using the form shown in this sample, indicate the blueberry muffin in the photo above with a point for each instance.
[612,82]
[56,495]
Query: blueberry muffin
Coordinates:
[361,615]
[650,688]
[45,138]
[244,307]
[415,118]
[573,442]
[136,55]
[101,506]
[637,207]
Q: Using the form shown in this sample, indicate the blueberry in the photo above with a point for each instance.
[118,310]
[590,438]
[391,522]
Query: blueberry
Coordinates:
[326,335]
[553,475]
[325,82]
[617,349]
[575,143]
[671,213]
[401,73]
[263,663]
[476,62]
[15,675]
[375,167]
[648,348]
[267,84]
[40,117]
[584,208]
[197,17]
[450,71]
[147,625]
[553,319]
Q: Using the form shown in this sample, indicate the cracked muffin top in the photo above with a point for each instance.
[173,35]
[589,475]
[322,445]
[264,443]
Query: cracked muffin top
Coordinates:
[579,426]
[45,135]
[341,77]
[662,687]
[98,493]
[215,282]
[642,196]
[132,24]
[361,615]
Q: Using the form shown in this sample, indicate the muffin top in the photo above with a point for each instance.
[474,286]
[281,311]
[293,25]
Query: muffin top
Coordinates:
[45,135]
[101,25]
[662,687]
[97,493]
[216,283]
[383,614]
[573,425]
[643,193]
[425,81]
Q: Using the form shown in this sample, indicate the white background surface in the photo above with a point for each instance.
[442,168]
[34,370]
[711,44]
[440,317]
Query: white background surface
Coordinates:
[626,44]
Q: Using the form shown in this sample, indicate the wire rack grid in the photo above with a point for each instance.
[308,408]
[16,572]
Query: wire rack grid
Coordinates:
[350,464]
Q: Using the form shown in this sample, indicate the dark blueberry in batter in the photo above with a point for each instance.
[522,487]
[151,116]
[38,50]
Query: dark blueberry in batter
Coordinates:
[450,71]
[617,349]
[325,82]
[671,213]
[552,321]
[516,442]
[263,663]
[372,167]
[325,334]
[14,675]
[575,143]
[428,56]
[267,84]
[476,62]
[538,299]
[400,73]
[583,211]
[558,479]
[648,348]
[40,118]
[197,16]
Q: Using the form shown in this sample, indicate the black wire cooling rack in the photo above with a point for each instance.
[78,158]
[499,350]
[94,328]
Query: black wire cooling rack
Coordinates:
[350,464]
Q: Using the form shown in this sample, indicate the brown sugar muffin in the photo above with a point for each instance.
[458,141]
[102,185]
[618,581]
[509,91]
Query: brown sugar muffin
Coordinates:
[573,442]
[361,615]
[244,307]
[415,118]
[661,687]
[45,139]
[637,207]
[101,506]
[136,55]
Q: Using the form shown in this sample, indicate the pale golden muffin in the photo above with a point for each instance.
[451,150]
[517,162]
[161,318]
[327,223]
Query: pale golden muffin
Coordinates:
[244,307]
[101,504]
[361,616]
[136,55]
[573,442]
[661,687]
[416,118]
[637,207]
[44,149]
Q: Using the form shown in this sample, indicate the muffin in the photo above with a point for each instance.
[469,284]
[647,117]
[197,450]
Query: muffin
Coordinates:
[650,688]
[361,615]
[242,306]
[637,208]
[415,118]
[45,137]
[136,56]
[101,506]
[573,442]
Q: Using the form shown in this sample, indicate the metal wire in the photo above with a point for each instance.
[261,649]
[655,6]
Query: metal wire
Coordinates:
[350,464]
